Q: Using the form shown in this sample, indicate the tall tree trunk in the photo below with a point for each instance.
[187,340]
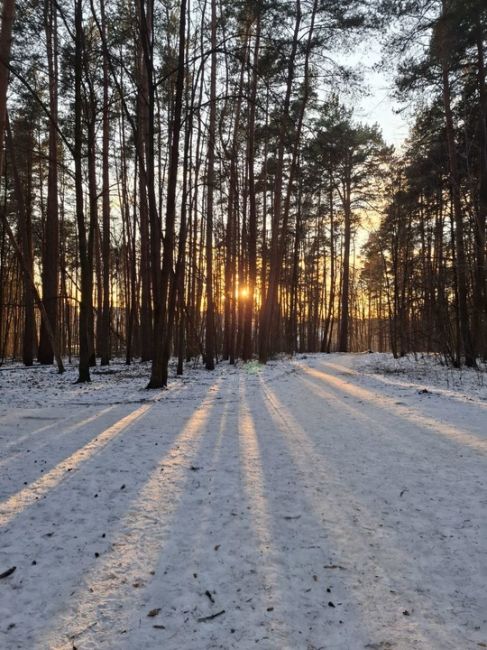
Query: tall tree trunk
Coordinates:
[93,222]
[270,302]
[231,287]
[343,340]
[326,340]
[461,271]
[146,20]
[480,226]
[86,282]
[210,316]
[252,225]
[25,235]
[183,232]
[50,253]
[170,284]
[142,135]
[104,343]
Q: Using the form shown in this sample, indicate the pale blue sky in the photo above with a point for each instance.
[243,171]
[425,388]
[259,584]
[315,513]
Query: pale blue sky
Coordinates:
[378,105]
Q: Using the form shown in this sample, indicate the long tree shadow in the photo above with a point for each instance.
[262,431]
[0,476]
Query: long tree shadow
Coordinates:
[18,501]
[417,463]
[394,381]
[274,613]
[379,575]
[221,556]
[50,439]
[101,610]
[81,516]
[10,439]
[213,559]
[26,457]
[391,405]
[307,557]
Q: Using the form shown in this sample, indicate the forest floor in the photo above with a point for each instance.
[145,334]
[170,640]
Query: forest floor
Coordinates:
[333,502]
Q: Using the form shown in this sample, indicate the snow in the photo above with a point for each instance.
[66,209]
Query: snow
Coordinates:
[329,501]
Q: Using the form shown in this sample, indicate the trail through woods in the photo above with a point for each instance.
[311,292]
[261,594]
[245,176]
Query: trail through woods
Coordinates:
[308,504]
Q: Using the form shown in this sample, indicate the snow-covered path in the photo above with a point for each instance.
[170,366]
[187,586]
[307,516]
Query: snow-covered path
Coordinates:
[305,505]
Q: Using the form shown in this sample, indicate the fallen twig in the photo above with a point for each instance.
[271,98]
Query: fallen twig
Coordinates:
[8,572]
[204,619]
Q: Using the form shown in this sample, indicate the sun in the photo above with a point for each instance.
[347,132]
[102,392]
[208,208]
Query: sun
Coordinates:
[244,293]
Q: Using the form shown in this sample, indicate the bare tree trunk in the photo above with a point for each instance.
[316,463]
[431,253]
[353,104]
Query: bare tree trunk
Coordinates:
[93,221]
[104,343]
[85,300]
[157,374]
[326,340]
[210,317]
[269,305]
[146,312]
[50,253]
[252,225]
[480,226]
[25,232]
[183,232]
[345,297]
[170,284]
[461,274]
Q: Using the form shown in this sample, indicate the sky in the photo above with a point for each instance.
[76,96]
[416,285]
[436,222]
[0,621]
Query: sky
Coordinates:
[376,104]
[379,107]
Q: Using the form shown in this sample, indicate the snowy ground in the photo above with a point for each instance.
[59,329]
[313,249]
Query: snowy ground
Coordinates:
[333,502]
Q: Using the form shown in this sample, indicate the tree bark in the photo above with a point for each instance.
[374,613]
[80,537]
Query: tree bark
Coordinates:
[170,283]
[104,344]
[461,272]
[210,317]
[252,226]
[347,236]
[50,253]
[269,304]
[25,235]
[85,298]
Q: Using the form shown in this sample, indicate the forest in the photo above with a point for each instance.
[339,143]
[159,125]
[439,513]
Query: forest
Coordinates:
[188,179]
[273,213]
